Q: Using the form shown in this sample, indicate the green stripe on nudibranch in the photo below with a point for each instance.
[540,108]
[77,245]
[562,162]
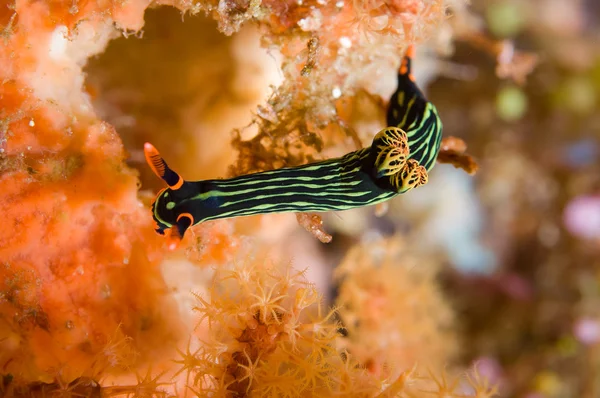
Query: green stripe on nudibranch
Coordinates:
[397,160]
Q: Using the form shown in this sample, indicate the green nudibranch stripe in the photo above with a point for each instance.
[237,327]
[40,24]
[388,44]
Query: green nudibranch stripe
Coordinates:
[339,184]
[423,127]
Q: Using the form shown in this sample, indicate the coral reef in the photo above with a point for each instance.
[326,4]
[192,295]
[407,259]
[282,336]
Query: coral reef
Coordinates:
[477,287]
[84,299]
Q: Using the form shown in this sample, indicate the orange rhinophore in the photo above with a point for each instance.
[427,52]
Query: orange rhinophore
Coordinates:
[160,167]
[175,182]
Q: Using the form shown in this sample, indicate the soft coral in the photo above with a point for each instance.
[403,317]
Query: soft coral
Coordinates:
[266,343]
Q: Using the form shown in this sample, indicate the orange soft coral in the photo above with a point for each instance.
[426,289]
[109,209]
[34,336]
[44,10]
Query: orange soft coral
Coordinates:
[79,258]
[394,313]
[269,335]
[76,256]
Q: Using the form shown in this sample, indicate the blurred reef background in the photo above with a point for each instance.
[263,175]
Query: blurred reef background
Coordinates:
[484,285]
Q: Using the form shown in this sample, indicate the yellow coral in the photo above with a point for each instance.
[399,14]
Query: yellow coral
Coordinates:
[269,336]
[392,309]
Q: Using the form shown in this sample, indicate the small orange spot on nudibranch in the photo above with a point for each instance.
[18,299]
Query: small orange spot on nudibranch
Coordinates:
[408,56]
[403,67]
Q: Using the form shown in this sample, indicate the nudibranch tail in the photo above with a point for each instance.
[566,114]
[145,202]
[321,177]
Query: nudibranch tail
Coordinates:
[160,167]
[406,65]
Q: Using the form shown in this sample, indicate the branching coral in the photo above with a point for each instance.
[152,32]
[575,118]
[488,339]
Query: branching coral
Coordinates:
[452,151]
[306,113]
[83,300]
[269,335]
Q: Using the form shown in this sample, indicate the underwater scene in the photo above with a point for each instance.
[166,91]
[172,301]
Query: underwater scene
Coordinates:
[300,198]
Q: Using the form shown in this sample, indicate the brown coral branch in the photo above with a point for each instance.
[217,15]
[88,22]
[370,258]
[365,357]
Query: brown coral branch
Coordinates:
[453,151]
